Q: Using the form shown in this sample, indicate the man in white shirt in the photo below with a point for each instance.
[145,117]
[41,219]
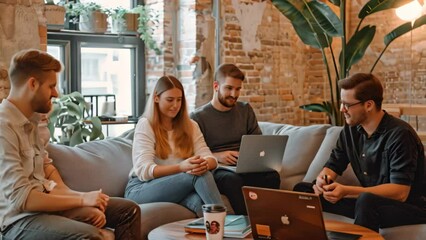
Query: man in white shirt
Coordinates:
[34,201]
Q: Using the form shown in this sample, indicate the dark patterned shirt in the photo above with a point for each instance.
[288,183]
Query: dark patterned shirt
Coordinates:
[392,154]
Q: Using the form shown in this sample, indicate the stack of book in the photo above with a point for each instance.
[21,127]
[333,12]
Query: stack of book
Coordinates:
[236,226]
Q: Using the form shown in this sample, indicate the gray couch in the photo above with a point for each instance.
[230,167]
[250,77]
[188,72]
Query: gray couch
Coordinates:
[105,164]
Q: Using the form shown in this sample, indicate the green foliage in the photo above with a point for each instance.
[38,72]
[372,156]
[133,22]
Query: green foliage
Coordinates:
[116,13]
[316,25]
[68,114]
[52,2]
[148,21]
[78,8]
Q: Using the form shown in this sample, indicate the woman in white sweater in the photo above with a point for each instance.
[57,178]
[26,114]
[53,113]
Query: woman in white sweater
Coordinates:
[171,161]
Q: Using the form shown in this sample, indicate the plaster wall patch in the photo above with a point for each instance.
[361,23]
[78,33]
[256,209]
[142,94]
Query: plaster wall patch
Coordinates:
[250,17]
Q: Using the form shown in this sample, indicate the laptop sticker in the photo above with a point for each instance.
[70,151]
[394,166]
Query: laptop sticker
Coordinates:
[252,195]
[264,231]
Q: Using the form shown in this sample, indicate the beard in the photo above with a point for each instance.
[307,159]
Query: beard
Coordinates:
[41,105]
[224,100]
[352,120]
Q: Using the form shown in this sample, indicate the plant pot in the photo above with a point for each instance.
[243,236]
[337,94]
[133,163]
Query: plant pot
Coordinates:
[132,21]
[126,24]
[93,22]
[55,17]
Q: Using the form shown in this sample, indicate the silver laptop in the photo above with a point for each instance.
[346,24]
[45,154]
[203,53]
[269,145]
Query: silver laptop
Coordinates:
[280,214]
[259,153]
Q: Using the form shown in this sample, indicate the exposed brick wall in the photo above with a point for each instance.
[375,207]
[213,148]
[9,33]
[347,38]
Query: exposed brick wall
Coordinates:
[402,67]
[22,26]
[298,74]
[283,73]
[275,72]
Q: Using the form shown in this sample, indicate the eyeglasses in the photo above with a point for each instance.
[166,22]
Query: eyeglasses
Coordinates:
[346,106]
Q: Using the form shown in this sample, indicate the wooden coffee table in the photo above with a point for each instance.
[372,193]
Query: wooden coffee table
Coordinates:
[175,230]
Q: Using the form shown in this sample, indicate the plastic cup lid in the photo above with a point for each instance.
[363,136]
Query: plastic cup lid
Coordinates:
[214,208]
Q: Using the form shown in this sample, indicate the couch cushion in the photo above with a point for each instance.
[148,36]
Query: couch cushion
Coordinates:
[323,153]
[297,157]
[348,177]
[269,128]
[89,166]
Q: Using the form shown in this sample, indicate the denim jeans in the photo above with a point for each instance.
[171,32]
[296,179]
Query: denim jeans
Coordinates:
[121,214]
[230,184]
[185,189]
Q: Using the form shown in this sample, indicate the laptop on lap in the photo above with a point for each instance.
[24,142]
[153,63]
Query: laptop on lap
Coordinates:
[259,153]
[280,214]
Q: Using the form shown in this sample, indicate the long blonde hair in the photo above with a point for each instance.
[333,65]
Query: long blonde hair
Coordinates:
[182,126]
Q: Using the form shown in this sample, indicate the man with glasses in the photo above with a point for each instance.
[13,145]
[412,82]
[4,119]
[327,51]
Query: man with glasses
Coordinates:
[386,155]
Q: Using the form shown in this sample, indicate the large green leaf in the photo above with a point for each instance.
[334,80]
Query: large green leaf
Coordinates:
[397,32]
[76,137]
[96,128]
[73,109]
[374,6]
[300,24]
[325,17]
[335,2]
[403,29]
[77,97]
[355,48]
[315,107]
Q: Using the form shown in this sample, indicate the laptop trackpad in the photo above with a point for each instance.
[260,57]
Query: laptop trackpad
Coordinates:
[331,235]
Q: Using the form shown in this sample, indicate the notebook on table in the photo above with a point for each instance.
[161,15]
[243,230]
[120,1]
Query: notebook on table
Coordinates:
[259,153]
[280,214]
[236,226]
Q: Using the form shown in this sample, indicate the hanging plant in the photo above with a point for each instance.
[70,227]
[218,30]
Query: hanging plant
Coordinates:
[148,21]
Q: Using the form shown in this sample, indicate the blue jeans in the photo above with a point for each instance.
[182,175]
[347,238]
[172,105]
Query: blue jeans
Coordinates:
[121,214]
[185,189]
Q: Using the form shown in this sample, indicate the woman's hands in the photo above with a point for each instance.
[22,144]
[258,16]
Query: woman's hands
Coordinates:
[194,165]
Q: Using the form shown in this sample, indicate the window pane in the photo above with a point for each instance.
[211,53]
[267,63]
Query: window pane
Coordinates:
[58,52]
[108,71]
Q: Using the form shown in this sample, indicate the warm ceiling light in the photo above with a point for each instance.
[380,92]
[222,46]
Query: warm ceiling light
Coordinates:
[410,11]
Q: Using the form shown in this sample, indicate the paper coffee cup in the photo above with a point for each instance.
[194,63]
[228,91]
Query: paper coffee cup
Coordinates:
[214,221]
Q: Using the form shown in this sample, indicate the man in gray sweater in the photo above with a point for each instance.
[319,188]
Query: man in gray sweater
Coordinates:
[223,122]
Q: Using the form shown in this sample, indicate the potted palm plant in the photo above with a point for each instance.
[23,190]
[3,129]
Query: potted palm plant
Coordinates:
[71,115]
[90,16]
[317,25]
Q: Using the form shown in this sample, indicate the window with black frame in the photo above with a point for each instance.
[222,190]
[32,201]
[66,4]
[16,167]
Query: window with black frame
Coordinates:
[102,64]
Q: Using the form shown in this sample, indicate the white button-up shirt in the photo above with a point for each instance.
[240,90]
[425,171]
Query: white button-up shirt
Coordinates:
[21,162]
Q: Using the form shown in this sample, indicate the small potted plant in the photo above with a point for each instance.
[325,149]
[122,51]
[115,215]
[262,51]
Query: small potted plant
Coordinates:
[90,16]
[55,14]
[70,113]
[122,20]
[147,23]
